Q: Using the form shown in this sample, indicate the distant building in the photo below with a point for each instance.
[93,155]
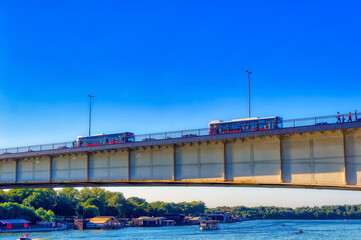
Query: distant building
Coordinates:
[14,223]
[104,222]
[45,224]
[189,220]
[223,217]
[146,222]
[177,218]
[164,222]
[80,223]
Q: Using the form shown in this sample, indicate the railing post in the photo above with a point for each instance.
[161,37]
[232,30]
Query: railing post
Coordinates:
[199,132]
[17,150]
[53,146]
[315,121]
[294,123]
[41,147]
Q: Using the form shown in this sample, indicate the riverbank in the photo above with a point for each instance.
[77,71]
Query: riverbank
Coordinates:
[27,230]
[260,230]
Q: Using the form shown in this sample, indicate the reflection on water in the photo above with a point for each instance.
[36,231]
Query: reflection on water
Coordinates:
[277,229]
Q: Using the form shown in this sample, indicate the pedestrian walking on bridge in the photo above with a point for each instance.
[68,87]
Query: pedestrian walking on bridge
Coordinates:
[349,117]
[338,118]
[355,115]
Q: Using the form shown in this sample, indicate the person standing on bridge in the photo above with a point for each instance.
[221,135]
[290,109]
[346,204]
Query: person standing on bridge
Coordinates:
[355,115]
[349,118]
[338,118]
[343,118]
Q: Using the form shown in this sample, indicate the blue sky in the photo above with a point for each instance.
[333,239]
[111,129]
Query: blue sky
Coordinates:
[158,66]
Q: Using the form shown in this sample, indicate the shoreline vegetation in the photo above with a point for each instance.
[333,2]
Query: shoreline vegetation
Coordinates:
[46,204]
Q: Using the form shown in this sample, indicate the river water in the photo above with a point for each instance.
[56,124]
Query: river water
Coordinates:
[270,229]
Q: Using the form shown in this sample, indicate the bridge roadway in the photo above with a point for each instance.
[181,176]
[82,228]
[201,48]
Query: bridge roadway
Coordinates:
[318,156]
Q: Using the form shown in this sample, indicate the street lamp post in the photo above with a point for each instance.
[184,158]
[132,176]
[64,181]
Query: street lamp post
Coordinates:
[249,95]
[90,111]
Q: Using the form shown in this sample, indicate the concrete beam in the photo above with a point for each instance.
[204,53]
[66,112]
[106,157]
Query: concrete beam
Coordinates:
[308,160]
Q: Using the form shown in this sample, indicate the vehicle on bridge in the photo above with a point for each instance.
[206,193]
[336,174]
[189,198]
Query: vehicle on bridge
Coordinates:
[148,139]
[244,125]
[101,139]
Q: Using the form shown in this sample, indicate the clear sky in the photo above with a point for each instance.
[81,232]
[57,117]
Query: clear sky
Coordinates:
[158,66]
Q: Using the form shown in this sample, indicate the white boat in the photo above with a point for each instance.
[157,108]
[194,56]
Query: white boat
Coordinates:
[209,225]
[25,237]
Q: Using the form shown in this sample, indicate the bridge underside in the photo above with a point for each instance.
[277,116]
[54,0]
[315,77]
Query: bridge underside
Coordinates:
[323,159]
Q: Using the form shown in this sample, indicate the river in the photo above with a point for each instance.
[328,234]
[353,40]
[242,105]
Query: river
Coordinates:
[270,229]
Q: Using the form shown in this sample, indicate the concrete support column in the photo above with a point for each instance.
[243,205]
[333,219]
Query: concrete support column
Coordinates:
[174,156]
[151,163]
[87,166]
[224,162]
[128,164]
[281,160]
[50,168]
[16,170]
[199,161]
[344,156]
[33,165]
[251,151]
[312,161]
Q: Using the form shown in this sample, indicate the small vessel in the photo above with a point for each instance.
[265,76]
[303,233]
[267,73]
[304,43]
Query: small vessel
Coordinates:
[25,237]
[300,230]
[209,225]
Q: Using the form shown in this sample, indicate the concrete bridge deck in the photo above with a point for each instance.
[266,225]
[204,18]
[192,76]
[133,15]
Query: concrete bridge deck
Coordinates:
[316,156]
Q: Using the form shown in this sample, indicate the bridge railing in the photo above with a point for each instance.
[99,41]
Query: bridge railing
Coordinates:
[178,134]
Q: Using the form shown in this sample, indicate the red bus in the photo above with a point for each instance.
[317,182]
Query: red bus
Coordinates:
[102,139]
[244,125]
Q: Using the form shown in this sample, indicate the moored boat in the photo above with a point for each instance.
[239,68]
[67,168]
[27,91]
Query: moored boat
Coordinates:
[209,225]
[25,237]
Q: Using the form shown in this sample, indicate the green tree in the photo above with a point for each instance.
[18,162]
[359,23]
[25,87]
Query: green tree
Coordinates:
[95,192]
[90,211]
[4,197]
[139,206]
[41,197]
[18,195]
[115,203]
[96,202]
[64,206]
[14,210]
[45,215]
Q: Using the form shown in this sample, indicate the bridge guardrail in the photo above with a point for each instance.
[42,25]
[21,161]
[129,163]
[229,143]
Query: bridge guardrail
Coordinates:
[178,134]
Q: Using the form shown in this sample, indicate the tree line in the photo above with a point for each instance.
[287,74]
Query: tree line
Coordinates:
[46,203]
[324,212]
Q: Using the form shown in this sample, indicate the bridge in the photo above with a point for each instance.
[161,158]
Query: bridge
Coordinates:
[306,153]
